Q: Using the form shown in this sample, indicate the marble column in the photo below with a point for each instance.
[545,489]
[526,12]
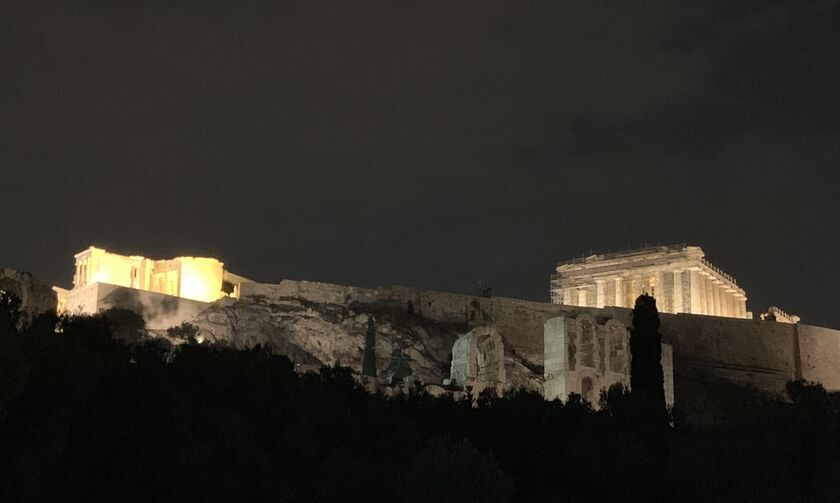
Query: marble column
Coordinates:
[716,298]
[600,300]
[619,292]
[694,282]
[581,300]
[730,304]
[710,297]
[677,295]
[638,285]
[567,296]
[663,291]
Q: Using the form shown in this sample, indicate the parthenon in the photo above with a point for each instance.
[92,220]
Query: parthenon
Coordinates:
[678,276]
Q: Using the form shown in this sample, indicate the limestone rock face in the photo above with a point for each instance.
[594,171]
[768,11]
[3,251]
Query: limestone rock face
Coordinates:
[408,347]
[36,296]
[313,335]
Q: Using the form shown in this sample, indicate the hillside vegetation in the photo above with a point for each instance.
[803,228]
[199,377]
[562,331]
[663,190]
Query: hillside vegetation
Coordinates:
[96,411]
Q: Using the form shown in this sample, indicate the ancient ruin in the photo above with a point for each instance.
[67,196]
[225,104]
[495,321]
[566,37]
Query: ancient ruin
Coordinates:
[585,354]
[155,282]
[776,314]
[478,360]
[466,341]
[678,276]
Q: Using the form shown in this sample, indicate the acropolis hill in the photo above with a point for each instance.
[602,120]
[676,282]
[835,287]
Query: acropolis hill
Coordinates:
[576,343]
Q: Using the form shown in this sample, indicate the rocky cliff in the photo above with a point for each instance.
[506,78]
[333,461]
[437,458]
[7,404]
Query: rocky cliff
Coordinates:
[313,334]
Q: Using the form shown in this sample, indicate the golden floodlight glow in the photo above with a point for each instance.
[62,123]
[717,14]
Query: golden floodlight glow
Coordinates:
[197,278]
[201,278]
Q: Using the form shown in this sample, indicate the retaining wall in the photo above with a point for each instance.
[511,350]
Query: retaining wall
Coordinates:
[764,354]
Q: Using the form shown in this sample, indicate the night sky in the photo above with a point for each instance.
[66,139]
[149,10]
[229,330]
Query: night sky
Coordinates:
[443,145]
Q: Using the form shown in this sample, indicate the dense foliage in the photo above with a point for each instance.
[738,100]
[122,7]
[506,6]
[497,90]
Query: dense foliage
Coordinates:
[87,415]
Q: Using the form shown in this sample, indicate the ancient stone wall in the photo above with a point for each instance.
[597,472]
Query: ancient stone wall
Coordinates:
[752,352]
[585,356]
[819,350]
[82,299]
[758,353]
[478,360]
[160,311]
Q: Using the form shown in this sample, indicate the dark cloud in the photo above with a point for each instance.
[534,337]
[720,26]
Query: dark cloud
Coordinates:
[425,143]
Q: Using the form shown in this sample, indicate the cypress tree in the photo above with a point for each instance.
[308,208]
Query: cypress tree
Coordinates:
[647,382]
[369,361]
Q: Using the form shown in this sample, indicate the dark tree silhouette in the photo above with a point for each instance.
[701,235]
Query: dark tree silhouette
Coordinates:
[186,331]
[127,324]
[369,361]
[10,311]
[647,383]
[14,366]
[82,412]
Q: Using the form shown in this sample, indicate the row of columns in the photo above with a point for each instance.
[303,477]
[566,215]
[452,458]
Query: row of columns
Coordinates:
[685,291]
[82,276]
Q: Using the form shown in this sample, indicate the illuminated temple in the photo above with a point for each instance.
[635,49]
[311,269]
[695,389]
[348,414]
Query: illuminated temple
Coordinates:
[199,279]
[678,276]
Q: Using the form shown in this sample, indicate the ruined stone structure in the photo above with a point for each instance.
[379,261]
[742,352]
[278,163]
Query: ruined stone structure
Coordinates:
[764,354]
[585,354]
[678,276]
[192,278]
[478,341]
[776,314]
[478,360]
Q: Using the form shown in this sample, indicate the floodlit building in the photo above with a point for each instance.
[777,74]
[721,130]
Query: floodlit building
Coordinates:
[776,314]
[199,279]
[678,276]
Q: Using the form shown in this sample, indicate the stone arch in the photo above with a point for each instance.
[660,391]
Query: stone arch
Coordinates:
[478,359]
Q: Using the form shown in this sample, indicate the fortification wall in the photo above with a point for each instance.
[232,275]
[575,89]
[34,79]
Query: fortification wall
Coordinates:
[764,354]
[819,350]
[758,353]
[83,299]
[160,311]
